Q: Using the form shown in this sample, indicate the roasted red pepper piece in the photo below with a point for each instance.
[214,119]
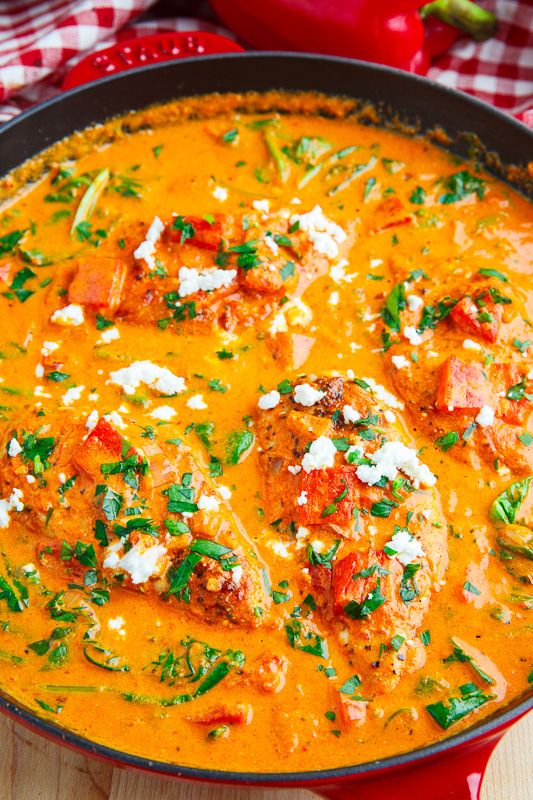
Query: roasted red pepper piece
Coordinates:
[322,488]
[103,444]
[480,316]
[463,386]
[98,283]
[206,235]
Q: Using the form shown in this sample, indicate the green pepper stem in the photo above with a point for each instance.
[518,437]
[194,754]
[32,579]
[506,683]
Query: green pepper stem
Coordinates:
[465,15]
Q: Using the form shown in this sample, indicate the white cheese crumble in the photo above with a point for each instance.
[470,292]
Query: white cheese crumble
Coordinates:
[159,378]
[220,193]
[296,312]
[208,503]
[412,335]
[390,416]
[302,498]
[324,234]
[307,395]
[333,299]
[294,469]
[376,262]
[271,244]
[117,624]
[469,344]
[115,419]
[485,416]
[140,562]
[48,348]
[13,503]
[109,335]
[39,371]
[206,280]
[224,492]
[14,448]
[146,250]
[399,361]
[269,400]
[391,457]
[279,548]
[69,316]
[320,456]
[404,547]
[384,395]
[414,302]
[262,205]
[72,394]
[196,402]
[350,414]
[92,420]
[337,272]
[31,479]
[163,412]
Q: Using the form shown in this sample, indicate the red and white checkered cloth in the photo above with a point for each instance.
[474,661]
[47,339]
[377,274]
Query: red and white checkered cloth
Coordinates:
[41,41]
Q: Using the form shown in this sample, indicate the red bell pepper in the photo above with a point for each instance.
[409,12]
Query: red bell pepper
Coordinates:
[385,31]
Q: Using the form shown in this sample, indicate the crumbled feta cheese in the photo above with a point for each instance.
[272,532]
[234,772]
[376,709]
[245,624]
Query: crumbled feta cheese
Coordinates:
[333,299]
[220,193]
[13,448]
[117,624]
[140,562]
[92,420]
[38,391]
[302,499]
[294,469]
[412,335]
[115,419]
[485,416]
[324,234]
[62,478]
[109,335]
[39,371]
[205,280]
[391,457]
[30,570]
[146,250]
[236,574]
[163,412]
[399,361]
[414,302]
[31,479]
[404,547]
[72,394]
[469,344]
[307,395]
[224,492]
[13,503]
[262,205]
[318,546]
[159,378]
[390,416]
[271,244]
[48,348]
[269,400]
[196,402]
[321,455]
[279,548]
[384,395]
[376,262]
[296,312]
[69,316]
[208,503]
[337,272]
[350,414]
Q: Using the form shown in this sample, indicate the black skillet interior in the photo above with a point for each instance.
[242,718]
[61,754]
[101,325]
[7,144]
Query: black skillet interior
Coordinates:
[415,101]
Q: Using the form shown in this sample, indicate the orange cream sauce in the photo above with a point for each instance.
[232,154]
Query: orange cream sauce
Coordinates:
[198,168]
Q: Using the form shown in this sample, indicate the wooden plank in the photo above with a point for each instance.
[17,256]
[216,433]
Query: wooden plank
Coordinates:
[31,768]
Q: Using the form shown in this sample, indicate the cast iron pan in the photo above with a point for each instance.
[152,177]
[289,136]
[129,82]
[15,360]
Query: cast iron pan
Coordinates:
[452,768]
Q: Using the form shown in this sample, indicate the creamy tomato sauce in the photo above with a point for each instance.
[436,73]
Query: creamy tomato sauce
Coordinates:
[266,439]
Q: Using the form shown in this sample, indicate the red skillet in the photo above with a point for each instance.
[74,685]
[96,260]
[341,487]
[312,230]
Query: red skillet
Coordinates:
[454,767]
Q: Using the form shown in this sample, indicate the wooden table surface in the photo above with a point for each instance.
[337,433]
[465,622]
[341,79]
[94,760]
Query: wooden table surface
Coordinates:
[32,768]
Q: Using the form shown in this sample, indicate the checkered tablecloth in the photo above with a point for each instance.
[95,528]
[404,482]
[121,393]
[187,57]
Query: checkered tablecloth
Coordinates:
[41,41]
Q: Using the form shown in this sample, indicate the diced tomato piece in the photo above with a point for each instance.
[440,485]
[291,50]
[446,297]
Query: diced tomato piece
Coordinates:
[392,213]
[503,376]
[240,714]
[323,487]
[352,712]
[98,283]
[346,589]
[207,235]
[463,386]
[103,445]
[483,319]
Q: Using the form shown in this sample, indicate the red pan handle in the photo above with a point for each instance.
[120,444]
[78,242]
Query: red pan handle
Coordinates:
[456,775]
[147,50]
